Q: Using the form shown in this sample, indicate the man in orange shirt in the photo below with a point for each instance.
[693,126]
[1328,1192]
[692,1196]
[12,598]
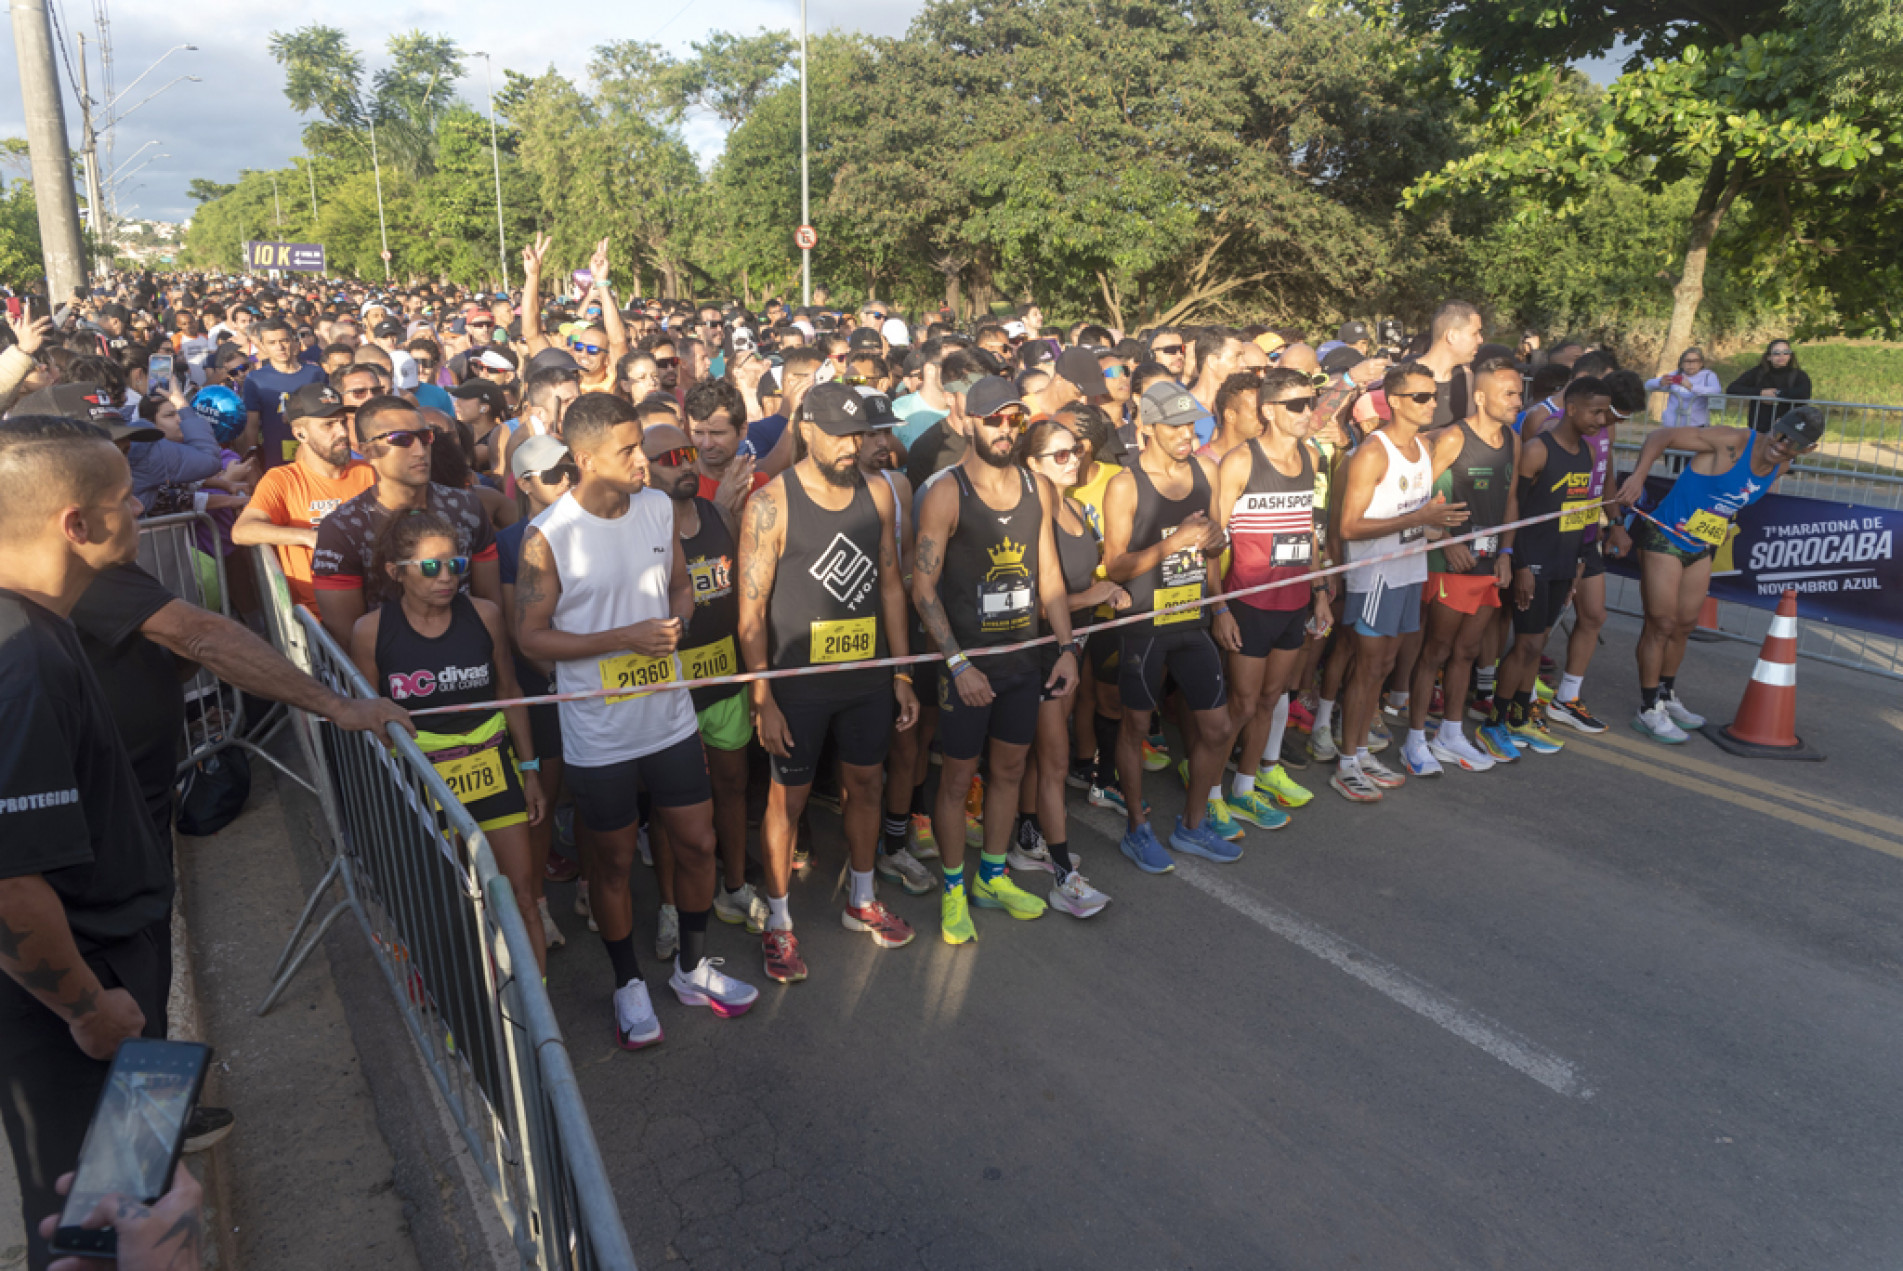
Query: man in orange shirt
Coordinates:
[290,500]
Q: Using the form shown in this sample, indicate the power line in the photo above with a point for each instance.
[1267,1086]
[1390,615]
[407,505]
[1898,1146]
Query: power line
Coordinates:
[671,21]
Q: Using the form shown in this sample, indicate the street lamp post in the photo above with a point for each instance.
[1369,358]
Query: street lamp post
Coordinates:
[310,170]
[806,209]
[274,200]
[495,159]
[383,229]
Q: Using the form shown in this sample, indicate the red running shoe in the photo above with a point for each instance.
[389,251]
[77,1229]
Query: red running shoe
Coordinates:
[783,961]
[1300,718]
[559,869]
[887,929]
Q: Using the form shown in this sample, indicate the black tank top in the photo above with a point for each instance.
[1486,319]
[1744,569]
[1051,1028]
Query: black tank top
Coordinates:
[1481,478]
[989,585]
[825,608]
[1078,555]
[456,668]
[1551,548]
[712,646]
[1181,575]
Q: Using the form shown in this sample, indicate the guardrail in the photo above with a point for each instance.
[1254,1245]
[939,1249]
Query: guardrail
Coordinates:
[419,877]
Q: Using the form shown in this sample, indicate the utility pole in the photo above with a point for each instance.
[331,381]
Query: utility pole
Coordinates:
[46,143]
[89,154]
[274,200]
[310,170]
[806,208]
[383,230]
[495,158]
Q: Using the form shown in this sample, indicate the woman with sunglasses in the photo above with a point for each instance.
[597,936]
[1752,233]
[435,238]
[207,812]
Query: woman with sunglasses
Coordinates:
[1776,380]
[430,645]
[1052,451]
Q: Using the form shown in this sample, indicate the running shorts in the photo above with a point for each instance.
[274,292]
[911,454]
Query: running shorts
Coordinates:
[1592,560]
[1391,611]
[607,798]
[861,729]
[1190,658]
[1266,630]
[1464,593]
[479,768]
[1010,716]
[1549,601]
[728,723]
[1649,539]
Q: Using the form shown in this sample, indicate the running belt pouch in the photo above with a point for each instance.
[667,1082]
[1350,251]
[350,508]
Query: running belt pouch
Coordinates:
[215,792]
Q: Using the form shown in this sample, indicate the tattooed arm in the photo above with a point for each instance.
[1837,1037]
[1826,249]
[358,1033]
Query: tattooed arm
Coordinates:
[164,1235]
[762,536]
[898,621]
[937,510]
[38,953]
[537,587]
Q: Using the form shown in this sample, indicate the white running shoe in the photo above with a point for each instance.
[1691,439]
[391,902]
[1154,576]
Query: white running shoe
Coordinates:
[1076,897]
[904,869]
[667,936]
[581,905]
[1657,724]
[1379,773]
[552,937]
[641,841]
[707,985]
[635,1022]
[1681,714]
[1457,750]
[743,906]
[1419,760]
[1030,856]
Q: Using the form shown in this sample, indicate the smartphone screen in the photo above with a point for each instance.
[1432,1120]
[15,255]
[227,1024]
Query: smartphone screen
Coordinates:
[158,373]
[133,1142]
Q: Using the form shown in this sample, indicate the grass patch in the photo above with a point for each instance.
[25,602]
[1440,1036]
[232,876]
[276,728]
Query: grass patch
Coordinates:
[1839,371]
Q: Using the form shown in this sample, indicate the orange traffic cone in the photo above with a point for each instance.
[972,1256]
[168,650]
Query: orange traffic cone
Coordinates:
[1707,629]
[1766,725]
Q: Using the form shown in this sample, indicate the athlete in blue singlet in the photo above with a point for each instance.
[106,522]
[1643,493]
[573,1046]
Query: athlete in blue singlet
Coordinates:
[1730,469]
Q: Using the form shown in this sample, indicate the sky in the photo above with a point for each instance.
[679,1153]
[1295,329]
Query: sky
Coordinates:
[237,117]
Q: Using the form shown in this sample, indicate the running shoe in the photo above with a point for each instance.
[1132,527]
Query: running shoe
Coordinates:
[1682,715]
[1452,748]
[565,826]
[802,859]
[924,845]
[1279,786]
[1030,851]
[1257,809]
[1391,711]
[1542,690]
[667,935]
[903,868]
[742,906]
[1002,893]
[1353,784]
[954,917]
[1379,773]
[975,813]
[707,985]
[887,929]
[1080,773]
[1530,733]
[1322,746]
[1294,754]
[1437,705]
[1379,738]
[1498,742]
[1481,707]
[1109,797]
[1575,714]
[1140,845]
[581,905]
[1300,717]
[207,1128]
[1203,841]
[1074,895]
[1658,725]
[1156,755]
[1216,817]
[559,869]
[1420,762]
[635,1022]
[552,937]
[647,849]
[783,961]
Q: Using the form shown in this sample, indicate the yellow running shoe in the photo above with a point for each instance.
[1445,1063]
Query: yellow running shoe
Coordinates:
[954,917]
[1002,893]
[1155,758]
[1281,787]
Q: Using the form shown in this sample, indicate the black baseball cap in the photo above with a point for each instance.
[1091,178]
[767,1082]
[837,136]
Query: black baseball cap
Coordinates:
[1352,332]
[1341,359]
[1080,366]
[836,410]
[560,359]
[1804,425]
[865,338]
[90,404]
[990,395]
[878,407]
[314,401]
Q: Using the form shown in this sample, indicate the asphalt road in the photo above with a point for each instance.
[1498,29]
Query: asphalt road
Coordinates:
[1627,1006]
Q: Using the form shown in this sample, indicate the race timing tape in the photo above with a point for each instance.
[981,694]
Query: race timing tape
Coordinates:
[1147,615]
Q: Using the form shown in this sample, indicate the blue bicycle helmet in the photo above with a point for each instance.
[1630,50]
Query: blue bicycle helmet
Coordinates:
[223,410]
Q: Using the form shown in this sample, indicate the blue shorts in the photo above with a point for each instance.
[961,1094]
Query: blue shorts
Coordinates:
[1391,611]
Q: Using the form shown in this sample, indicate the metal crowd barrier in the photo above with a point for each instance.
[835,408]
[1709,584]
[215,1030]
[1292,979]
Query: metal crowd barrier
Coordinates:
[419,877]
[171,549]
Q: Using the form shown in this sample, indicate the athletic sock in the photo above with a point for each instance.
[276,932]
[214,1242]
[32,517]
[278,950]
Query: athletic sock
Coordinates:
[991,868]
[1450,730]
[1324,715]
[621,957]
[1569,687]
[1278,728]
[693,950]
[954,878]
[1398,701]
[861,888]
[1650,695]
[1242,785]
[1416,740]
[895,825]
[1361,755]
[1105,728]
[779,916]
[1060,857]
[1484,679]
[1666,687]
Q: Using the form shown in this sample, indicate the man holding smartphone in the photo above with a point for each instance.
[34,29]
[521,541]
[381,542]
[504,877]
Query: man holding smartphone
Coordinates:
[85,885]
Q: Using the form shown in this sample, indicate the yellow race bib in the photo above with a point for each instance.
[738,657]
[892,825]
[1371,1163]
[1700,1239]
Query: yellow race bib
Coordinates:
[1577,515]
[1707,527]
[844,640]
[473,777]
[710,660]
[1167,596]
[636,671]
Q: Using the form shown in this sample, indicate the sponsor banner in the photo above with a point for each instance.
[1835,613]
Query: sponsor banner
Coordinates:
[305,258]
[1840,557]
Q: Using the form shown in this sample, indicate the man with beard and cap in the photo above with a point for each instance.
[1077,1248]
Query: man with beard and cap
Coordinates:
[710,648]
[292,498]
[820,588]
[986,562]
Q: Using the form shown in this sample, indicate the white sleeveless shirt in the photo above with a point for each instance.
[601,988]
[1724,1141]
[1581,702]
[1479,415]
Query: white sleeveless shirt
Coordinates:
[615,573]
[1407,485]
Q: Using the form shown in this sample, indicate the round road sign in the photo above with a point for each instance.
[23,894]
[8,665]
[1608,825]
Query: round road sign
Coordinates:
[806,238]
[385,254]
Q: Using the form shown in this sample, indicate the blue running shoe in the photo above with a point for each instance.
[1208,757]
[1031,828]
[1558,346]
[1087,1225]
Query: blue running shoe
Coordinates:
[1146,853]
[1203,841]
[1498,742]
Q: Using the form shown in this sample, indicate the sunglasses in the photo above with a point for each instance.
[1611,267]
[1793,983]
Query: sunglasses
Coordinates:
[855,381]
[1419,399]
[404,438]
[480,326]
[1114,372]
[1007,419]
[425,364]
[839,357]
[1165,350]
[1297,405]
[667,363]
[1069,454]
[590,349]
[458,565]
[679,457]
[559,473]
[237,368]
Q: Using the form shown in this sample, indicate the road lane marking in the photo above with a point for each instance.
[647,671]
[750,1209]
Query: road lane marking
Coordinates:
[1673,757]
[1651,767]
[1526,1057]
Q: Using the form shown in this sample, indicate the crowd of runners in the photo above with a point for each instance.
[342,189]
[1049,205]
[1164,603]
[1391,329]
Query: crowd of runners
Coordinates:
[1052,562]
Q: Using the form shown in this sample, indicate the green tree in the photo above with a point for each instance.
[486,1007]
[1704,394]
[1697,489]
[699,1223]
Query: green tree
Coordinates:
[202,190]
[729,74]
[20,257]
